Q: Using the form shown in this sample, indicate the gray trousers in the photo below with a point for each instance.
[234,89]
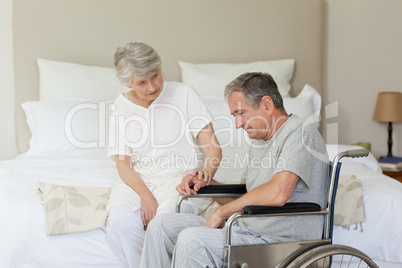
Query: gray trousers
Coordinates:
[181,240]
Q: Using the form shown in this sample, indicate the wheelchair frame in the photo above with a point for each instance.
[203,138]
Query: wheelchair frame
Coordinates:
[286,254]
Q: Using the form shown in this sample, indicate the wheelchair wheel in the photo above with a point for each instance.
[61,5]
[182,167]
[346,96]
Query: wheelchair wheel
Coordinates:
[332,256]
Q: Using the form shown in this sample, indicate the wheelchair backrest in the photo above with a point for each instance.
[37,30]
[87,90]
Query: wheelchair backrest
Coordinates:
[334,179]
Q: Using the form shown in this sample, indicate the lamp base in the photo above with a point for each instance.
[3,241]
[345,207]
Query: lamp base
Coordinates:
[389,139]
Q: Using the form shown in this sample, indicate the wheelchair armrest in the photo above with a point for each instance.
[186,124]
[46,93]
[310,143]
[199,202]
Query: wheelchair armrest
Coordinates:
[223,189]
[290,207]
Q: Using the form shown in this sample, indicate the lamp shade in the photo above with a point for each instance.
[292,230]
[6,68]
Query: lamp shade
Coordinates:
[388,107]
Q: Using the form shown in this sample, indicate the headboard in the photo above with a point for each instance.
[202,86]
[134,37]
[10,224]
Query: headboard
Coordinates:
[207,31]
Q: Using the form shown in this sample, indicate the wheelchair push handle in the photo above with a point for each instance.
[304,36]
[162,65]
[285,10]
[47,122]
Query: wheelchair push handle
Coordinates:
[351,153]
[357,153]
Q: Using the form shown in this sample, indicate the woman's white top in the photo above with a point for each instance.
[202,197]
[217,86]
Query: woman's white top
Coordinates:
[161,139]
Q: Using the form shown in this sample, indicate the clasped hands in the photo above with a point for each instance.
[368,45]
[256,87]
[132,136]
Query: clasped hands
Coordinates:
[197,179]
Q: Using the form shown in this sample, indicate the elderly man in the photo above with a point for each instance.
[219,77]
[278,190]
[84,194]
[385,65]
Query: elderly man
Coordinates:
[288,163]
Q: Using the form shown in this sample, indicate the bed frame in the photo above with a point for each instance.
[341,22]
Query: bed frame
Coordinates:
[208,31]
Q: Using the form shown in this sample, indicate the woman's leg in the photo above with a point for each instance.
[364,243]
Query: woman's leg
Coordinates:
[125,234]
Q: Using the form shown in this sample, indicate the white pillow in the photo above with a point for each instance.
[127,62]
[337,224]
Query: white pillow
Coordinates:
[305,105]
[211,79]
[370,161]
[60,125]
[59,80]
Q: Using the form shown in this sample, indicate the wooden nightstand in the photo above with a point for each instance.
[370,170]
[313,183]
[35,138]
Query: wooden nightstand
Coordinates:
[397,175]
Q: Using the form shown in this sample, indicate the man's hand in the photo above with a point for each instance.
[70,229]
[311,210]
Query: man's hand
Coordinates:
[201,178]
[216,220]
[184,187]
[203,175]
[197,179]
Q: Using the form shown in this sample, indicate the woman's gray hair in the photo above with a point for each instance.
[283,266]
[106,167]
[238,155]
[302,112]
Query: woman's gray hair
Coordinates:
[136,59]
[255,86]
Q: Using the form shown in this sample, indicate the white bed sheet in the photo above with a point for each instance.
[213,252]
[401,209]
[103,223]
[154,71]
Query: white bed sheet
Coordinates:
[23,241]
[380,236]
[24,244]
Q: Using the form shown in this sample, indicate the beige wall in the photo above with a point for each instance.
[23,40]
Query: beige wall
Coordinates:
[208,31]
[8,147]
[363,57]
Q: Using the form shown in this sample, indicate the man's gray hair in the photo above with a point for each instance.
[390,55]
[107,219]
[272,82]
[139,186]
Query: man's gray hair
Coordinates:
[136,59]
[255,86]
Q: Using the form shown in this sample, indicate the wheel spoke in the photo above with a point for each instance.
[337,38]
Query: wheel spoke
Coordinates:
[324,256]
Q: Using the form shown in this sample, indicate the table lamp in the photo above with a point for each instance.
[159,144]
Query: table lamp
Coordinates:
[388,109]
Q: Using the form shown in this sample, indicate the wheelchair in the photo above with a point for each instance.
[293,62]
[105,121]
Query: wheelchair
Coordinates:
[295,254]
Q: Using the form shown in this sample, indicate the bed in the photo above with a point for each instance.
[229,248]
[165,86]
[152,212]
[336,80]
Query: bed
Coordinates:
[65,85]
[27,241]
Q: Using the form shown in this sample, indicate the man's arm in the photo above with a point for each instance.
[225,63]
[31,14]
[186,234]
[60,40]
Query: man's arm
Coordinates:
[274,193]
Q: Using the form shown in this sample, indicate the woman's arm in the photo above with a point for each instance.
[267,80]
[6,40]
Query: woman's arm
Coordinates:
[213,155]
[131,178]
[212,151]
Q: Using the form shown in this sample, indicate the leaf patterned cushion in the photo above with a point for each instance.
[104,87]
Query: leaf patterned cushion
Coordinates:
[73,209]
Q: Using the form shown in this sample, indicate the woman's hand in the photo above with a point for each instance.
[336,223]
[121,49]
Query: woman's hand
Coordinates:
[184,187]
[203,177]
[149,206]
[197,179]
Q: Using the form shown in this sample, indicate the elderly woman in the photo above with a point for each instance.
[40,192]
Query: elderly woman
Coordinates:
[163,143]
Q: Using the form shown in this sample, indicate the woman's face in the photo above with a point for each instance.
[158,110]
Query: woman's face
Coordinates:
[148,89]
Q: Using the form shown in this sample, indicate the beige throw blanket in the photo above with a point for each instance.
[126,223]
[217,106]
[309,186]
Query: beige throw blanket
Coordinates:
[349,204]
[73,209]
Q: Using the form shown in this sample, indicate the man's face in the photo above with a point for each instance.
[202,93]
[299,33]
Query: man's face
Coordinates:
[255,121]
